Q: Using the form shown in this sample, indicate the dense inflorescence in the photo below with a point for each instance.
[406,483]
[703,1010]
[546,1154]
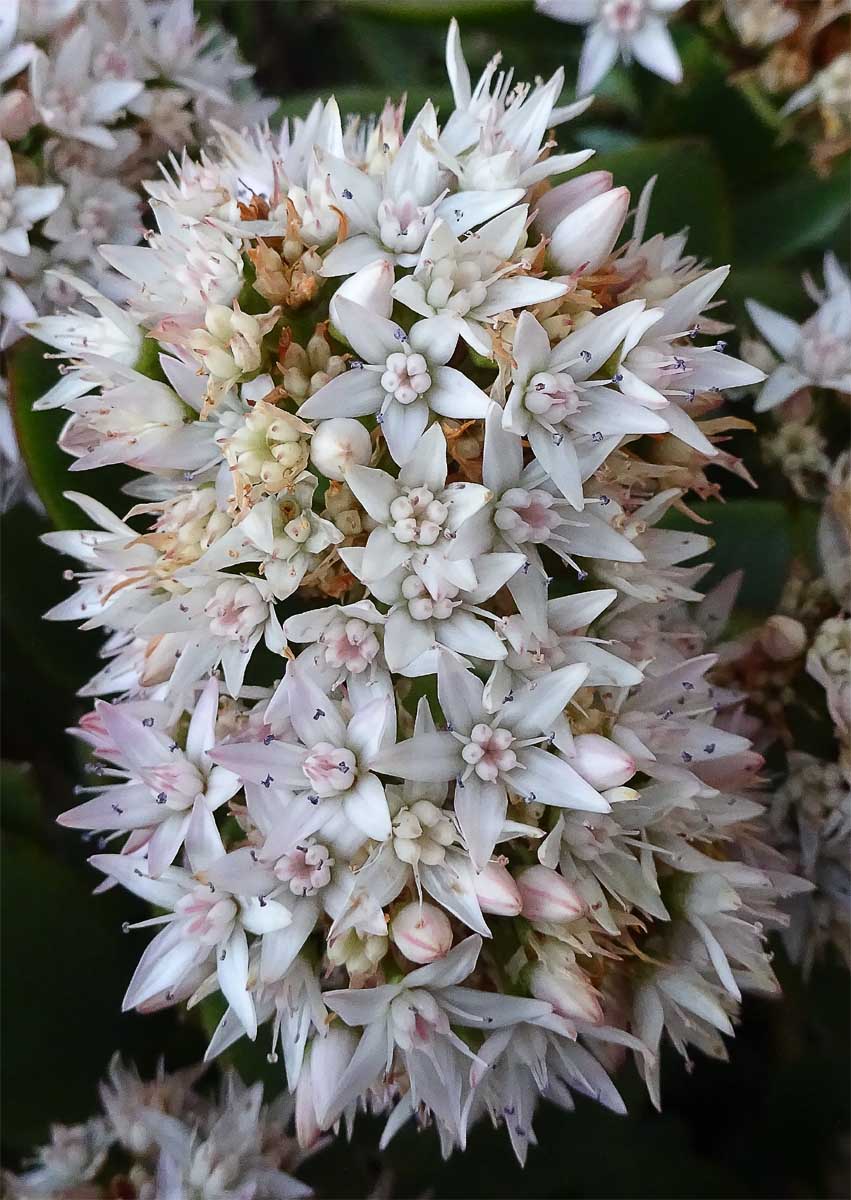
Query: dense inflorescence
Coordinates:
[162,1137]
[415,744]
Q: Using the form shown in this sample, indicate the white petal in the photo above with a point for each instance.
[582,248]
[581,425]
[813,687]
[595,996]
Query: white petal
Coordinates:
[480,808]
[365,805]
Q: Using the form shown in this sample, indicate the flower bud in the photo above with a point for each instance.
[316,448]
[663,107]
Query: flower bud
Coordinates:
[559,202]
[783,638]
[567,989]
[584,238]
[600,761]
[421,932]
[369,287]
[326,1060]
[497,892]
[547,896]
[339,444]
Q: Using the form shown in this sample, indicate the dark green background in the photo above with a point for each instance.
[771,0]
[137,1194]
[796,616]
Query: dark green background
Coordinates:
[773,1122]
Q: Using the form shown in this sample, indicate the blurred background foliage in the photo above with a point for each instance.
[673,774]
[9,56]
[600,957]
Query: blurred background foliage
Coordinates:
[772,1123]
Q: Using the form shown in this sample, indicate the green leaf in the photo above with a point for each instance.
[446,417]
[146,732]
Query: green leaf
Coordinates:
[760,537]
[802,213]
[690,190]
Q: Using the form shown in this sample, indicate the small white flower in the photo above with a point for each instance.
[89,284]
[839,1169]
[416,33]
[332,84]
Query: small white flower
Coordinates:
[626,28]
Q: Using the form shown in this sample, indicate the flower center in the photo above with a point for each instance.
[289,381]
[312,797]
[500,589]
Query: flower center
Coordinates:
[552,397]
[330,769]
[307,868]
[417,516]
[488,752]
[235,610]
[456,286]
[527,516]
[422,606]
[403,224]
[350,644]
[623,16]
[208,917]
[421,833]
[405,377]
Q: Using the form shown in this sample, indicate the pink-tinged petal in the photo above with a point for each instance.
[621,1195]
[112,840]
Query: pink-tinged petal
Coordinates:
[585,238]
[654,48]
[232,972]
[460,695]
[124,807]
[315,717]
[491,1010]
[548,779]
[355,393]
[425,758]
[365,805]
[403,426]
[480,808]
[599,52]
[782,383]
[453,394]
[257,761]
[559,201]
[557,456]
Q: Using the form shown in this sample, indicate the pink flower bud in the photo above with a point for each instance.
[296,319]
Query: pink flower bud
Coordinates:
[327,1058]
[585,238]
[568,991]
[547,896]
[421,932]
[497,892]
[600,761]
[559,201]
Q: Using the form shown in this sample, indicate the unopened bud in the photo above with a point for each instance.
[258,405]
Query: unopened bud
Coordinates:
[421,932]
[568,991]
[783,638]
[497,892]
[600,761]
[547,896]
[339,444]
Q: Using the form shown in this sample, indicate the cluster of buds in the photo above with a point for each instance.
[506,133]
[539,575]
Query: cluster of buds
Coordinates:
[495,813]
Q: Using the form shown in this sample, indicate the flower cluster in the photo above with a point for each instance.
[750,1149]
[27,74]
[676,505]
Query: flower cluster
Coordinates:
[94,95]
[409,421]
[795,666]
[160,1137]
